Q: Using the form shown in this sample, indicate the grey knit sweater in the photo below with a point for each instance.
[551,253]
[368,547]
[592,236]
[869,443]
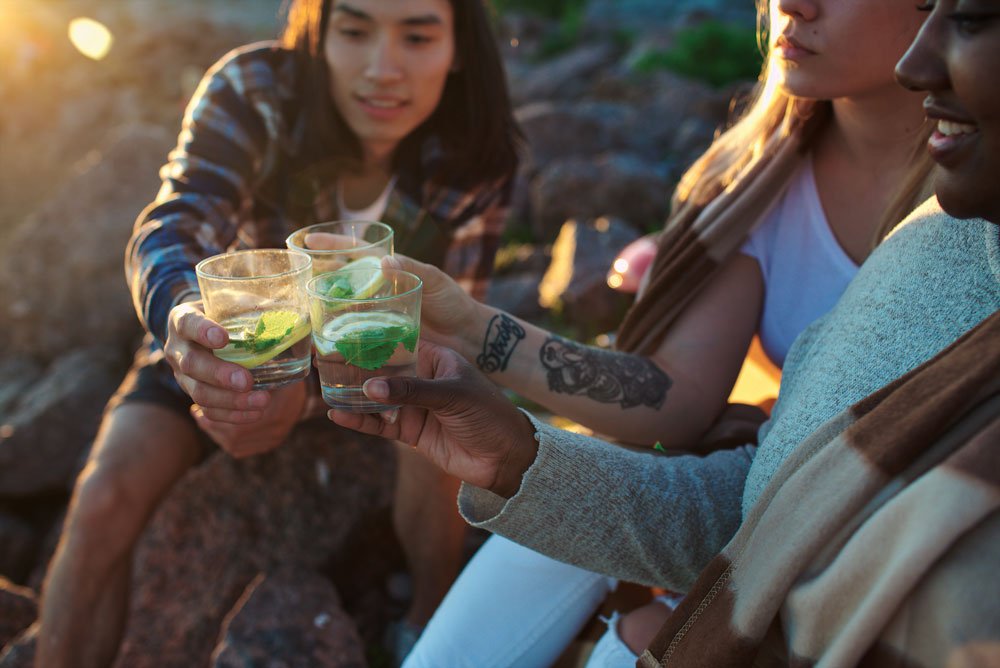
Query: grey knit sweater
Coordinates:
[658,520]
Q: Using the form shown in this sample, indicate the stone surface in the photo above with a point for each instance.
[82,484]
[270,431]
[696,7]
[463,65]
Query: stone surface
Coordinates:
[563,76]
[575,282]
[18,610]
[291,614]
[229,520]
[18,544]
[16,376]
[621,185]
[19,652]
[62,268]
[52,426]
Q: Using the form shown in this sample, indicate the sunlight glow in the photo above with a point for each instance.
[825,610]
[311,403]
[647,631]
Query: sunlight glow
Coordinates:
[90,37]
[621,265]
[615,281]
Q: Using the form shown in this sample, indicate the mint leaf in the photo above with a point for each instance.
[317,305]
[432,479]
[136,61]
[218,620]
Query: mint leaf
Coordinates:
[340,288]
[271,329]
[371,348]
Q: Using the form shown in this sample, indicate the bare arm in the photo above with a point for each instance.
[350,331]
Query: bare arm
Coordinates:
[672,396]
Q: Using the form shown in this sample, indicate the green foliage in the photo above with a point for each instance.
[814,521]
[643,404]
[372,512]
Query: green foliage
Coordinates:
[714,52]
[566,34]
[552,9]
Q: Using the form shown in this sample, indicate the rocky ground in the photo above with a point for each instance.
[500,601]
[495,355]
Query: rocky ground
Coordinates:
[288,555]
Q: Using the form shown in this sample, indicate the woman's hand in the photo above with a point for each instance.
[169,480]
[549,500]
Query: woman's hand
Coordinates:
[456,418]
[448,315]
[267,433]
[223,390]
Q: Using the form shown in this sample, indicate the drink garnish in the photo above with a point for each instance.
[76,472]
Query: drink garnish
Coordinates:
[262,339]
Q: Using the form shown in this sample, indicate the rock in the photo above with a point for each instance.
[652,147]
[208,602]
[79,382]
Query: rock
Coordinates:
[18,610]
[291,618]
[575,281]
[62,268]
[16,375]
[228,520]
[18,545]
[562,130]
[517,295]
[621,185]
[563,76]
[52,426]
[20,652]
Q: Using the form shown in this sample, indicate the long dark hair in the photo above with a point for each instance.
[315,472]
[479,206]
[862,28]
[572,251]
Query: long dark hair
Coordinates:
[473,121]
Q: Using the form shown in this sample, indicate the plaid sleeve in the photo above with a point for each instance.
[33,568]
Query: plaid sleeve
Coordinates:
[207,176]
[473,248]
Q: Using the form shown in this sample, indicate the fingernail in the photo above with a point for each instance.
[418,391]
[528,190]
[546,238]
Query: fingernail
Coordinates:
[215,336]
[238,380]
[391,416]
[376,389]
[258,400]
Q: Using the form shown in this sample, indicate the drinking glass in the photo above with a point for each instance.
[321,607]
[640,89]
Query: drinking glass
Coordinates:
[351,240]
[259,297]
[372,333]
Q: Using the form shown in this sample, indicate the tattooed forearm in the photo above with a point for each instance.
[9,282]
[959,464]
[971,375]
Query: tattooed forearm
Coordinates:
[603,375]
[502,336]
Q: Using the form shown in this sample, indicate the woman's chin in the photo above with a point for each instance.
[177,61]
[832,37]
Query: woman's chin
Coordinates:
[961,201]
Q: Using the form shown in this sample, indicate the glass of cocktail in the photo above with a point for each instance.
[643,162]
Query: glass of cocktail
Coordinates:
[365,323]
[259,297]
[338,243]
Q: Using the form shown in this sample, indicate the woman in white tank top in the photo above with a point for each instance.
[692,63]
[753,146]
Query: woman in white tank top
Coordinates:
[862,171]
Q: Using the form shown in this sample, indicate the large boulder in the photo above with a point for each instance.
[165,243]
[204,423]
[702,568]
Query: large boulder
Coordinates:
[293,616]
[51,427]
[564,76]
[562,130]
[18,544]
[229,520]
[18,609]
[62,268]
[16,375]
[575,282]
[621,185]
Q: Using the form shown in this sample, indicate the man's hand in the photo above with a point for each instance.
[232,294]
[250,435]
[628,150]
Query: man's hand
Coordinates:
[267,433]
[454,416]
[221,389]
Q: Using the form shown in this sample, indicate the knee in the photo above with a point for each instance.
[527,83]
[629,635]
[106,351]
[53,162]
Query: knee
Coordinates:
[638,628]
[103,510]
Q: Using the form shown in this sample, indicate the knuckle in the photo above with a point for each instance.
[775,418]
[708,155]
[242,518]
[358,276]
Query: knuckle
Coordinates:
[186,364]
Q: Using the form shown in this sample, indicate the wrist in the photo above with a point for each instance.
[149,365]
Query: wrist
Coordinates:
[518,460]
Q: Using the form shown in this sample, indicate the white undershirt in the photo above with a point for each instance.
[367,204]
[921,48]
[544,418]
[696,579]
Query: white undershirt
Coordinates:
[372,212]
[805,268]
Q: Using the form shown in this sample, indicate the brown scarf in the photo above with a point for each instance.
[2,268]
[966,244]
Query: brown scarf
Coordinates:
[698,240]
[877,541]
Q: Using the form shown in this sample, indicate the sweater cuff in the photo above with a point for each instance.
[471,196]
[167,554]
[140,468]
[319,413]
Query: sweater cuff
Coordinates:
[484,509]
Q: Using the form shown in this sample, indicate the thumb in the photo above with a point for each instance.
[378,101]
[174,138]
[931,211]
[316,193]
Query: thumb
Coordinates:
[408,391]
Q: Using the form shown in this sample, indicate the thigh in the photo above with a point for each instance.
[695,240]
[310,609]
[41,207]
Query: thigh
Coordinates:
[510,606]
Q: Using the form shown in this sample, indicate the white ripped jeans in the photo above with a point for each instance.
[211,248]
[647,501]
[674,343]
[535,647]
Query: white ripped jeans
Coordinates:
[510,608]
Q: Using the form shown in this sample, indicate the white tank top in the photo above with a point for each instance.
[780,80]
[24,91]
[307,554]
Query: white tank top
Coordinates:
[805,268]
[372,212]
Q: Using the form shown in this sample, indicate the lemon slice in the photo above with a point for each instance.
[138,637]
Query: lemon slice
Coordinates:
[368,279]
[239,330]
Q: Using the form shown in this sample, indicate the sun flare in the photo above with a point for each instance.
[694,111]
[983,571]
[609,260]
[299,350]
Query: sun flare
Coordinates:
[90,37]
